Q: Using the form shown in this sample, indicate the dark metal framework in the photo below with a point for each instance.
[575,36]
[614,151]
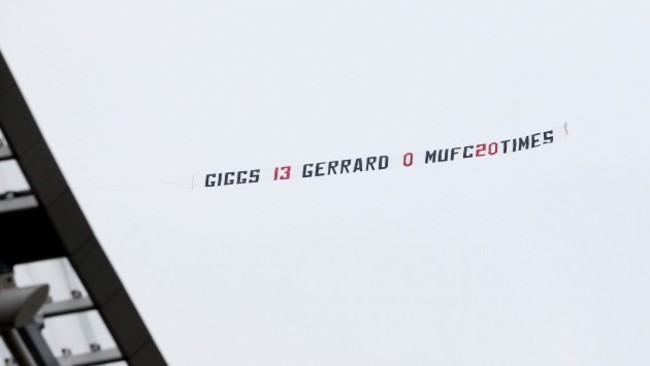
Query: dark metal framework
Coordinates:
[56,227]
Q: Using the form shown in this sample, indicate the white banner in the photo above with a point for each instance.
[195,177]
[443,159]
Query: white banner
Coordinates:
[378,162]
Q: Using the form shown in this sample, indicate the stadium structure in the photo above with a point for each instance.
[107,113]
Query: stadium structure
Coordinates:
[61,300]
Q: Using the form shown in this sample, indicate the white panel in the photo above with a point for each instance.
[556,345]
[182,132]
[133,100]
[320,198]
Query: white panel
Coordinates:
[55,273]
[77,331]
[11,177]
[4,352]
[4,148]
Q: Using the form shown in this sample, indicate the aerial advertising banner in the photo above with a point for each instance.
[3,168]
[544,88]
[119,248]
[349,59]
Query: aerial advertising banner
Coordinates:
[357,165]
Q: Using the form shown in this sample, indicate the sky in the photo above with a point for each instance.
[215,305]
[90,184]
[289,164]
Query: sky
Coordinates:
[533,258]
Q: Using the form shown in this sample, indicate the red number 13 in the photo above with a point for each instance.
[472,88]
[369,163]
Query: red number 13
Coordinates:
[282,173]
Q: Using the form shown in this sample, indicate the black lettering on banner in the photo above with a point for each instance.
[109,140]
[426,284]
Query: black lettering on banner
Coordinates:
[344,165]
[229,179]
[331,167]
[254,176]
[454,152]
[407,160]
[430,157]
[523,143]
[306,170]
[440,158]
[383,162]
[380,162]
[358,165]
[241,177]
[370,163]
[548,137]
[319,169]
[535,140]
[505,146]
[209,182]
[493,148]
[467,155]
[480,150]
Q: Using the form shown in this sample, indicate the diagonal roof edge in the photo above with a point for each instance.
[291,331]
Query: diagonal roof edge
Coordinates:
[58,227]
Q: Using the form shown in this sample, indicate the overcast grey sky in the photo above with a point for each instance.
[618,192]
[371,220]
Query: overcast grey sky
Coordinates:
[534,258]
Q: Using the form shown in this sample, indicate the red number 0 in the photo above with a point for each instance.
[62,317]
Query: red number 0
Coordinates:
[493,148]
[407,160]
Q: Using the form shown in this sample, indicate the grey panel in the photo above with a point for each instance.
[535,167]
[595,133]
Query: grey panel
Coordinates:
[67,307]
[18,203]
[92,358]
[20,305]
[31,334]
